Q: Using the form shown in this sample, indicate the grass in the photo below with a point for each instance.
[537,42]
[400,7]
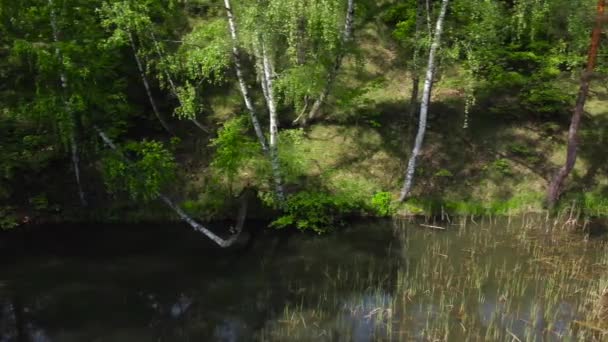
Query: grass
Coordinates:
[492,280]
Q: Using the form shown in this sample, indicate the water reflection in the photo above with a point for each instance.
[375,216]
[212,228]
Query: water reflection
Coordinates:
[375,281]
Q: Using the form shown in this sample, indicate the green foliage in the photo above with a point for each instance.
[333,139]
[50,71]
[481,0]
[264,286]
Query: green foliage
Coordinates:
[520,57]
[302,40]
[151,167]
[524,152]
[403,17]
[519,203]
[501,166]
[319,212]
[189,105]
[301,82]
[444,173]
[205,53]
[124,18]
[519,148]
[382,204]
[39,202]
[595,203]
[8,219]
[291,154]
[233,147]
[212,204]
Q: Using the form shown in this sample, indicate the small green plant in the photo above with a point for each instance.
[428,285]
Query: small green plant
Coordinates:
[8,219]
[443,173]
[520,149]
[39,202]
[501,166]
[374,123]
[595,203]
[316,211]
[233,148]
[382,204]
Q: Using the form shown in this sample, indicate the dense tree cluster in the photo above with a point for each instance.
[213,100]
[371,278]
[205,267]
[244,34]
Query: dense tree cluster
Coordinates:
[147,76]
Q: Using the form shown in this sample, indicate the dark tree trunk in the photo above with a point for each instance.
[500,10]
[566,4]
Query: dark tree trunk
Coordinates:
[555,188]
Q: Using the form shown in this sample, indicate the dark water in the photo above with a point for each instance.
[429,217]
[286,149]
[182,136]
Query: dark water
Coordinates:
[374,281]
[151,283]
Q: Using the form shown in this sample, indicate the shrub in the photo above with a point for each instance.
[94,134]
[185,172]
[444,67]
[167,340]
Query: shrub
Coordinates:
[316,211]
[8,219]
[501,166]
[150,168]
[382,204]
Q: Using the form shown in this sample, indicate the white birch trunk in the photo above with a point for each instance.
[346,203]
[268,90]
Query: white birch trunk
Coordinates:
[347,34]
[172,85]
[183,215]
[144,79]
[274,127]
[241,79]
[260,73]
[424,106]
[64,85]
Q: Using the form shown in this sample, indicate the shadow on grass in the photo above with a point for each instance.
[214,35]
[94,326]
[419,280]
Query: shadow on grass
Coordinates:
[454,159]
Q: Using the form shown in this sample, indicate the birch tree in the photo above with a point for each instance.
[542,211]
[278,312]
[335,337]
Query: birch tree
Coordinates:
[236,56]
[424,106]
[267,85]
[289,41]
[126,20]
[75,155]
[130,24]
[347,36]
[270,150]
[66,81]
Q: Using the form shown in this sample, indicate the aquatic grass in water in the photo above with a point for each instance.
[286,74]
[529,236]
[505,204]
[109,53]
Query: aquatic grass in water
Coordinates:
[485,279]
[474,278]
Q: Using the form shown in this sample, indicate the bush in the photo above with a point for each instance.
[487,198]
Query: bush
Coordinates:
[316,211]
[151,168]
[382,204]
[501,166]
[8,219]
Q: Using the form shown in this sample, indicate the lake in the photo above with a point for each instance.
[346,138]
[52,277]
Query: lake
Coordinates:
[469,279]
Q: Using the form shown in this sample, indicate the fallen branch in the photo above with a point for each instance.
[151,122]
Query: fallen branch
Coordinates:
[182,214]
[430,226]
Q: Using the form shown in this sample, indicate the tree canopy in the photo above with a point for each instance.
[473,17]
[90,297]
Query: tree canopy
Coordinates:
[186,88]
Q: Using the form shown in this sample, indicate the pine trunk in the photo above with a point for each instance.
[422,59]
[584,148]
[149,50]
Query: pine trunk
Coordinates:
[555,188]
[424,106]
